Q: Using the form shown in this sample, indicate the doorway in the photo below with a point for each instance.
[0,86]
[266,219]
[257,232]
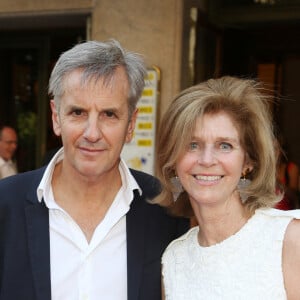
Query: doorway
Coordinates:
[252,40]
[27,59]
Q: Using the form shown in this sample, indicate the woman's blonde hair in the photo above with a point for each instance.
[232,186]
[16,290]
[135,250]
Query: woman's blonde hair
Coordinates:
[249,108]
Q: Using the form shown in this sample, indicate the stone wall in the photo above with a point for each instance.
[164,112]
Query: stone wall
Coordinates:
[152,28]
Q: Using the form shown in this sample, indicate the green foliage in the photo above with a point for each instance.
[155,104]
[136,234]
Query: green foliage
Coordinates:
[27,122]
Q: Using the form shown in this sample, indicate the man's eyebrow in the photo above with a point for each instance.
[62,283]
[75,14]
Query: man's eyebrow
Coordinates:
[73,107]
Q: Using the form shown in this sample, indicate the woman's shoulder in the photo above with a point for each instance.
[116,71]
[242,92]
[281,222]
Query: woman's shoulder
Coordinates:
[273,212]
[180,244]
[291,259]
[291,227]
[292,235]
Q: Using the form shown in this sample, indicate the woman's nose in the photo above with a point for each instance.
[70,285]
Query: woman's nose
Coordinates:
[206,156]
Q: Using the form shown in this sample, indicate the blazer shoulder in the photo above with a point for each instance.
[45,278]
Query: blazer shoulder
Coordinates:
[149,184]
[22,183]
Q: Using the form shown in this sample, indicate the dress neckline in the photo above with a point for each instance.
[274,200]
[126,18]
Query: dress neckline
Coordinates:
[228,241]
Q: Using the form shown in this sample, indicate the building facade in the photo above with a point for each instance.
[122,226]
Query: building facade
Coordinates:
[186,40]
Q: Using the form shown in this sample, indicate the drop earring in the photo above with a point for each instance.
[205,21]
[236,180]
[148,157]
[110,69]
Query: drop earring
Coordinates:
[242,186]
[177,187]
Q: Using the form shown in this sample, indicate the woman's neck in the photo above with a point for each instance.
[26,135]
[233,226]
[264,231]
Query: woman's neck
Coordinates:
[219,223]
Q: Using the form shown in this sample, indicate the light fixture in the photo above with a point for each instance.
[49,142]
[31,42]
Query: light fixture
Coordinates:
[270,2]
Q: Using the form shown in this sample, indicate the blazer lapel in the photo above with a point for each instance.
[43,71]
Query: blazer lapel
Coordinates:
[135,227]
[37,221]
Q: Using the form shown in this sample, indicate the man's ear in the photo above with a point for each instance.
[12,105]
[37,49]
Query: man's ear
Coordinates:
[55,118]
[131,126]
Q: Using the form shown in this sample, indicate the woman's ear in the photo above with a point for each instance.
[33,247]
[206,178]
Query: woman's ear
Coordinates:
[247,169]
[248,166]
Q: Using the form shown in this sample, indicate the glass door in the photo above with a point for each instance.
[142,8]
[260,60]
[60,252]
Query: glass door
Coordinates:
[23,96]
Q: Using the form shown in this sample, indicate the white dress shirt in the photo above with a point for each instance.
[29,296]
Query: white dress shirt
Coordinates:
[7,168]
[82,270]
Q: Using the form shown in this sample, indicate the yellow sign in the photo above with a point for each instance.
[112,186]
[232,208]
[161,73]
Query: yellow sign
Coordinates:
[139,153]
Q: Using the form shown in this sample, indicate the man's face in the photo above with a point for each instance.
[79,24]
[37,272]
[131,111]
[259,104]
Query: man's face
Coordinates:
[8,143]
[94,124]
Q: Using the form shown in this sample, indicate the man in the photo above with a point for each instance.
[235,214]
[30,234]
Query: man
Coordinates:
[8,146]
[83,227]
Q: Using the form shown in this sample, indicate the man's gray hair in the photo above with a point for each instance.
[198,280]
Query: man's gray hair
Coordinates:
[99,60]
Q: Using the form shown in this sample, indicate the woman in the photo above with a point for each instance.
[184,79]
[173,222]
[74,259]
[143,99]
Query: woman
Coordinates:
[216,161]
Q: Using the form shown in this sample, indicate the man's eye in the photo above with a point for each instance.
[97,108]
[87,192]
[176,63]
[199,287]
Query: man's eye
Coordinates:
[77,112]
[110,114]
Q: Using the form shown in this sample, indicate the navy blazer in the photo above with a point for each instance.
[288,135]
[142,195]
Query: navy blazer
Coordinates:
[25,245]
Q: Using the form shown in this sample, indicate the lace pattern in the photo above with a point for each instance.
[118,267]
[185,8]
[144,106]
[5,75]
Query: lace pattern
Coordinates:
[247,265]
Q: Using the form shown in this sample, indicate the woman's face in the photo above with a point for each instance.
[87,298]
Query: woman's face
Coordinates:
[211,166]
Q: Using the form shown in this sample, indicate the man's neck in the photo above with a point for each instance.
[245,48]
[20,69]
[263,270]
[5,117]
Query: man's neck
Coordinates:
[87,202]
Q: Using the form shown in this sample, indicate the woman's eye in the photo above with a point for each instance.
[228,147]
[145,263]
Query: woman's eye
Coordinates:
[193,146]
[225,146]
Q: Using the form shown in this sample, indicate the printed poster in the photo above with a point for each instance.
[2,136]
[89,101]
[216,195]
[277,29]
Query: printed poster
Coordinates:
[139,153]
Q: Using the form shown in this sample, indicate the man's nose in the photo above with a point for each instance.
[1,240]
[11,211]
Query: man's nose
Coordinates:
[93,131]
[13,144]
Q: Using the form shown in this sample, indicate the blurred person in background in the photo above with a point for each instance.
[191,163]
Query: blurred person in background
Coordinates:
[8,147]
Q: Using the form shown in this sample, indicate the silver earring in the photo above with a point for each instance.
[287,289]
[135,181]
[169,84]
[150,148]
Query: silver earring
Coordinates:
[177,187]
[242,185]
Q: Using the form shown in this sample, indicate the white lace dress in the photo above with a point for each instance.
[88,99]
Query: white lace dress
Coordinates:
[247,265]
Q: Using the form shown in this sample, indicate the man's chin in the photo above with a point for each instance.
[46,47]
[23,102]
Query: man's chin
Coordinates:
[89,173]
